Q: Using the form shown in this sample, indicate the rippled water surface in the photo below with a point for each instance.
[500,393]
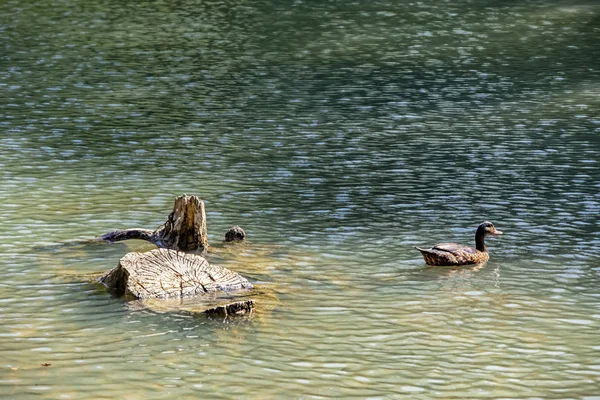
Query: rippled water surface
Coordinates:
[339,134]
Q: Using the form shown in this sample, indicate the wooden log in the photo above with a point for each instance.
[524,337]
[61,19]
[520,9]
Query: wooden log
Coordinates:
[164,273]
[230,305]
[235,234]
[185,228]
[231,310]
[127,234]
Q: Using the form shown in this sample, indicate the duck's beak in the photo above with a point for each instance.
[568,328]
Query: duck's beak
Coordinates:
[496,232]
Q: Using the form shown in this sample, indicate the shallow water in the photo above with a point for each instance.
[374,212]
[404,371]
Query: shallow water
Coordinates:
[339,135]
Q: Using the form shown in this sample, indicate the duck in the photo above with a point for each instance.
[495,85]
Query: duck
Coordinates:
[451,254]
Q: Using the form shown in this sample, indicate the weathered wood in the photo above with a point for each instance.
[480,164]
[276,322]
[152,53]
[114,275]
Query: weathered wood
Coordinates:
[128,234]
[164,273]
[215,305]
[232,309]
[185,228]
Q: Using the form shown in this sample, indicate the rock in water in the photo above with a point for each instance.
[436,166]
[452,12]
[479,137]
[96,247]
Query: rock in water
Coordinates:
[235,234]
[164,273]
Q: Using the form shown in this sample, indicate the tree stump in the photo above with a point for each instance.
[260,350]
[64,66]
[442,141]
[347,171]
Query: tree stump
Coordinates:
[164,273]
[185,228]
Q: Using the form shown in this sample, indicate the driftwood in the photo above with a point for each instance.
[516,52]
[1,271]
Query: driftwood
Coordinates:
[185,228]
[164,273]
[232,309]
[232,305]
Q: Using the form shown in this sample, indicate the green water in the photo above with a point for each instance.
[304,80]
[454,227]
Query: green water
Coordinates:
[339,134]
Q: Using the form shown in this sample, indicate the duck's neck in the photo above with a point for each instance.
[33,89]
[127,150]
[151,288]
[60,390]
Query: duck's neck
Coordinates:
[480,240]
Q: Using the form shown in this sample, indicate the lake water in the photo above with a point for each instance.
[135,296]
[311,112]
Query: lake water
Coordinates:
[339,134]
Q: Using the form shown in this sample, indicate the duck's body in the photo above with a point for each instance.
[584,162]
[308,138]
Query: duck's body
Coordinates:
[453,254]
[458,254]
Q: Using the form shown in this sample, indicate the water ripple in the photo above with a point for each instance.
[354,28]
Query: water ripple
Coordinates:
[339,136]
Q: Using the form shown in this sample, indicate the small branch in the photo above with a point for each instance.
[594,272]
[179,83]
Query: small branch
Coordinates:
[127,234]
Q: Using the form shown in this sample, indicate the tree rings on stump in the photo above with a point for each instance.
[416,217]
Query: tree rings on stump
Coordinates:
[164,273]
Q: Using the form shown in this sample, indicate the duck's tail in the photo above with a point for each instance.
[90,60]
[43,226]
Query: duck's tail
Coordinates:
[428,255]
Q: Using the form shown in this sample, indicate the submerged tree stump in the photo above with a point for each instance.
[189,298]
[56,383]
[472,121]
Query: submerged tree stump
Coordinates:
[185,228]
[164,273]
[232,309]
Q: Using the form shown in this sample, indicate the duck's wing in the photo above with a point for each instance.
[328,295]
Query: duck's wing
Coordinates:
[453,254]
[454,248]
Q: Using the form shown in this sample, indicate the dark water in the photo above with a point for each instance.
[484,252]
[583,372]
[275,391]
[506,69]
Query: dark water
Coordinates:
[339,135]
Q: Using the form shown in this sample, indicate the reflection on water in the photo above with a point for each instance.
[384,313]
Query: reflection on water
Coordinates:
[339,136]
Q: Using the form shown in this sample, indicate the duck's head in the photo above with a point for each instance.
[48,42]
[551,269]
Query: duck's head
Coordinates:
[487,228]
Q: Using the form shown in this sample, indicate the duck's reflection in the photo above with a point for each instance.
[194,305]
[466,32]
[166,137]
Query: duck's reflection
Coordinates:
[466,277]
